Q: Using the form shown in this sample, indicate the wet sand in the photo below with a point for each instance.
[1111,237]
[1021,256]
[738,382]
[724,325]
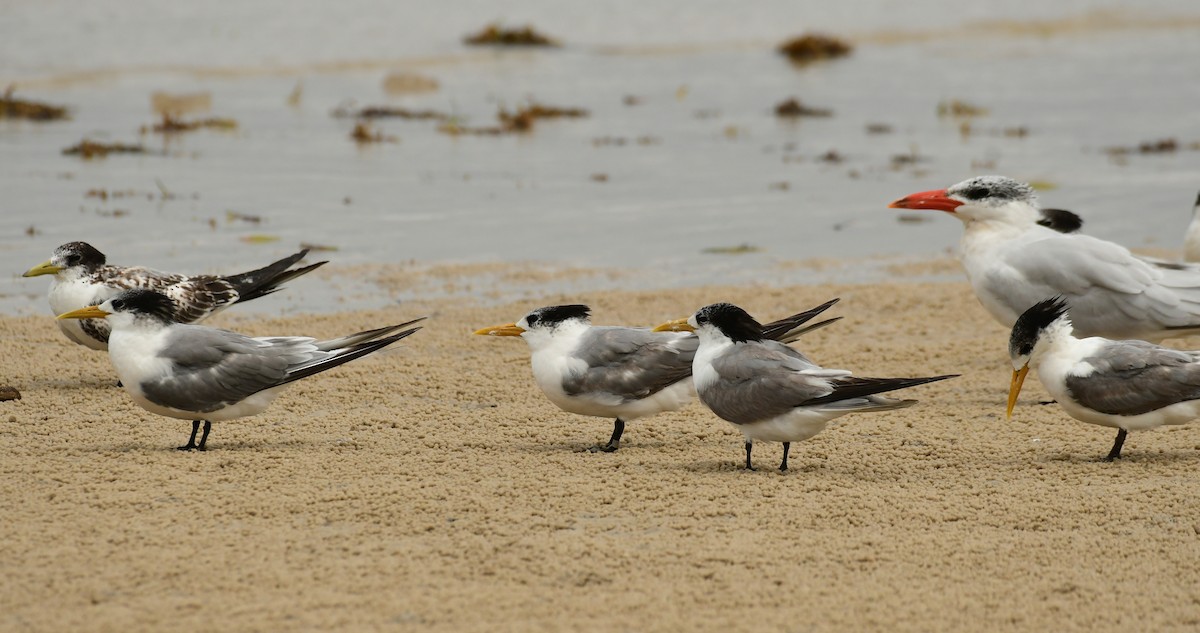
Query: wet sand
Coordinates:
[433,488]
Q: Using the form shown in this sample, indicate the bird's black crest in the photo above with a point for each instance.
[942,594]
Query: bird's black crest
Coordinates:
[994,187]
[145,302]
[551,316]
[1060,220]
[733,321]
[1030,325]
[80,254]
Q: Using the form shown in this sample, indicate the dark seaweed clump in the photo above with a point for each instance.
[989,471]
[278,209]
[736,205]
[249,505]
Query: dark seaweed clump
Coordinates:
[495,35]
[812,47]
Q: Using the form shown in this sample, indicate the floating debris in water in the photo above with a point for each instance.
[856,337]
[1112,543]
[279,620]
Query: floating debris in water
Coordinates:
[296,95]
[632,100]
[604,141]
[782,185]
[793,108]
[171,125]
[259,239]
[879,128]
[740,249]
[363,133]
[387,112]
[522,120]
[115,213]
[966,130]
[404,83]
[178,104]
[600,177]
[9,393]
[91,149]
[1159,146]
[237,216]
[1043,185]
[913,218]
[496,35]
[32,231]
[309,246]
[14,108]
[812,47]
[958,109]
[832,156]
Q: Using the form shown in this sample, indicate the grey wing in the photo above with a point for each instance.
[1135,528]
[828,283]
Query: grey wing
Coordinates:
[631,363]
[1106,285]
[761,381]
[215,368]
[1135,377]
[197,298]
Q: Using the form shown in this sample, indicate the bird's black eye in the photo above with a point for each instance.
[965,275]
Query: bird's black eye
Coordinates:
[118,304]
[73,259]
[532,319]
[701,318]
[975,193]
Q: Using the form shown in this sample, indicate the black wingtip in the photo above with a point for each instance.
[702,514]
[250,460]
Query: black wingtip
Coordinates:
[351,353]
[777,329]
[856,387]
[270,278]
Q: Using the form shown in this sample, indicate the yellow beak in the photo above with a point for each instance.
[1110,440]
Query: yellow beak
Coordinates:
[44,268]
[90,312]
[1014,388]
[678,325]
[508,329]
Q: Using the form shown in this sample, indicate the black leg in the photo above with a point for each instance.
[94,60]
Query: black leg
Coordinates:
[749,466]
[204,438]
[614,442]
[191,445]
[787,446]
[1115,453]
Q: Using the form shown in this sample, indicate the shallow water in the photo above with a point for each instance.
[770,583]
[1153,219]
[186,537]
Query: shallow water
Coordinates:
[1080,76]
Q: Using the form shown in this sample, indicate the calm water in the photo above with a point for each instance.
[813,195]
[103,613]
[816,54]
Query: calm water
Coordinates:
[721,169]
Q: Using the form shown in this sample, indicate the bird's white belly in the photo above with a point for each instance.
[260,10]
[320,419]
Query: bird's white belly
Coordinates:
[797,426]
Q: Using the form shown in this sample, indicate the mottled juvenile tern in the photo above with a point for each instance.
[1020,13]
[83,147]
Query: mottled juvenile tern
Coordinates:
[82,278]
[203,374]
[1012,263]
[769,391]
[619,372]
[1126,385]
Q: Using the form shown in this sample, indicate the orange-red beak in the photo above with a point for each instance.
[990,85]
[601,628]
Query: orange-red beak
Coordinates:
[935,199]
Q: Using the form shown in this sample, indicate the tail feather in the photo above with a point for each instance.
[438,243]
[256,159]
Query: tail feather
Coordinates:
[362,337]
[790,328]
[269,278]
[852,387]
[344,356]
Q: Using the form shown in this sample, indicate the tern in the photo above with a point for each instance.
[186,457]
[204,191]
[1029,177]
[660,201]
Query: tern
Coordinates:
[1191,239]
[619,372]
[1012,263]
[1127,385]
[202,374]
[769,391]
[82,278]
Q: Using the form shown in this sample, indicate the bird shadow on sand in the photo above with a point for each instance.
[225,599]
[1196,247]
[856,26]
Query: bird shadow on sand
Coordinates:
[1128,457]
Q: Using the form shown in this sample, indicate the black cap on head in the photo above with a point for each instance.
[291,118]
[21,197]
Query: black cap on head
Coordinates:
[79,254]
[732,321]
[551,316]
[1032,323]
[140,301]
[1000,188]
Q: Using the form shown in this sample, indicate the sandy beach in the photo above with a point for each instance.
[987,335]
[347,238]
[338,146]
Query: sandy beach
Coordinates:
[434,488]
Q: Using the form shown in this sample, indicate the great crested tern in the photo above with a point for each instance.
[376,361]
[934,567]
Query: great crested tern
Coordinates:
[82,278]
[769,391]
[1127,385]
[619,372]
[203,374]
